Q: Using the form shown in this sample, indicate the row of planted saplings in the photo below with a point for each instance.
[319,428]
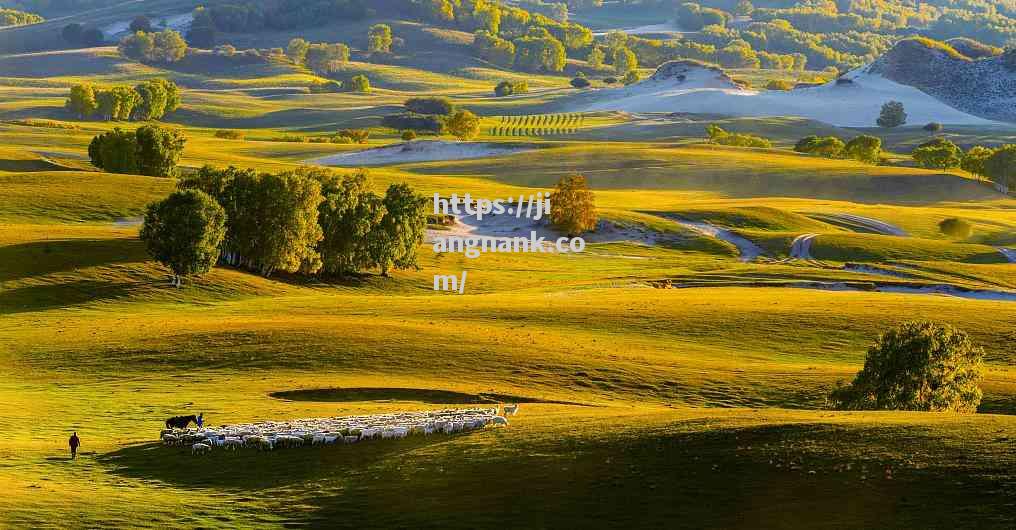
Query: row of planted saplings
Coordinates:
[544,120]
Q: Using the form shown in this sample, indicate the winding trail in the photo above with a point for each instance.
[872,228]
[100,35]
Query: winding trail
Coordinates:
[801,247]
[749,251]
[869,224]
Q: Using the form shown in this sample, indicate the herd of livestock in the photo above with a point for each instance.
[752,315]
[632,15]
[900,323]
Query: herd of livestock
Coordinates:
[270,435]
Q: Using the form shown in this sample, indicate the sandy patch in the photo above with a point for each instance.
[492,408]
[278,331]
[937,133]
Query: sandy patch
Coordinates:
[417,151]
[852,103]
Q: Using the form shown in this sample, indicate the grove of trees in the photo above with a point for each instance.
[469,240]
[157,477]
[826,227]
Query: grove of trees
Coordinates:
[149,150]
[149,100]
[163,47]
[313,221]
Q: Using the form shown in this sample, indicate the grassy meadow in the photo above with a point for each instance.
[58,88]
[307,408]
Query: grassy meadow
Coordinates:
[702,405]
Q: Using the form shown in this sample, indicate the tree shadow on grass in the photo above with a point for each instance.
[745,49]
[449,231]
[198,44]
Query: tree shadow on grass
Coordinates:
[39,297]
[422,395]
[38,258]
[248,469]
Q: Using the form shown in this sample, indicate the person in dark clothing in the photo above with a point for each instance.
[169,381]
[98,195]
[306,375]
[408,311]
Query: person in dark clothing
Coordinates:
[74,442]
[201,420]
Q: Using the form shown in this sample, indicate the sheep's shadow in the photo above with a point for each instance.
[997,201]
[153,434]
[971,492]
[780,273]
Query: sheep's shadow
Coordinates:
[248,469]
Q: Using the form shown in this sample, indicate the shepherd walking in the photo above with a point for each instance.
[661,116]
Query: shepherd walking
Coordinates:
[74,442]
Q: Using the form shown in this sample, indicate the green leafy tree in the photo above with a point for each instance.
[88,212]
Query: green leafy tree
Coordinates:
[430,105]
[297,50]
[492,48]
[394,243]
[463,124]
[117,103]
[864,148]
[154,98]
[938,153]
[572,206]
[164,47]
[184,232]
[504,88]
[114,151]
[1000,167]
[974,159]
[326,58]
[359,84]
[625,61]
[158,150]
[596,57]
[379,39]
[81,101]
[348,216]
[892,115]
[917,366]
[537,54]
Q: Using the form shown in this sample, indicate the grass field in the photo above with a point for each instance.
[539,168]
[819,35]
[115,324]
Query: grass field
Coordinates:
[698,406]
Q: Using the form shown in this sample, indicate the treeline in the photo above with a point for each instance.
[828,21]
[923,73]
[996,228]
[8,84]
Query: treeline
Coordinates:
[863,148]
[13,17]
[312,221]
[150,100]
[250,17]
[995,164]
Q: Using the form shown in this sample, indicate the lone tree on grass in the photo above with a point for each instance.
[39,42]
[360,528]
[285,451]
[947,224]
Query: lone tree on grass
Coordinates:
[463,124]
[864,148]
[572,207]
[184,232]
[892,115]
[917,366]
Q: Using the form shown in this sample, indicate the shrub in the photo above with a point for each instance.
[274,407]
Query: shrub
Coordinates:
[359,84]
[917,366]
[609,80]
[504,88]
[827,146]
[892,115]
[408,136]
[416,122]
[430,105]
[326,87]
[580,81]
[719,136]
[359,136]
[227,134]
[933,127]
[779,84]
[937,154]
[956,227]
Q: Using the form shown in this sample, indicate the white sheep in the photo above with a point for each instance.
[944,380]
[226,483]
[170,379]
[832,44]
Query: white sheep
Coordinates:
[200,448]
[499,420]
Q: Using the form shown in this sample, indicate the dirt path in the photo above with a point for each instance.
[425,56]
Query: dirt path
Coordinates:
[801,248]
[749,251]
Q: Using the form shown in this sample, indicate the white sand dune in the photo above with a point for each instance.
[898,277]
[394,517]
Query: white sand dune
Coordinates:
[853,102]
[416,151]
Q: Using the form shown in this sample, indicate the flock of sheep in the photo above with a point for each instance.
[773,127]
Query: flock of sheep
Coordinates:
[270,435]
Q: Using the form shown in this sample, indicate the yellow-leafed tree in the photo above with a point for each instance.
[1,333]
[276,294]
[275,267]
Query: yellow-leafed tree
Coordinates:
[572,207]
